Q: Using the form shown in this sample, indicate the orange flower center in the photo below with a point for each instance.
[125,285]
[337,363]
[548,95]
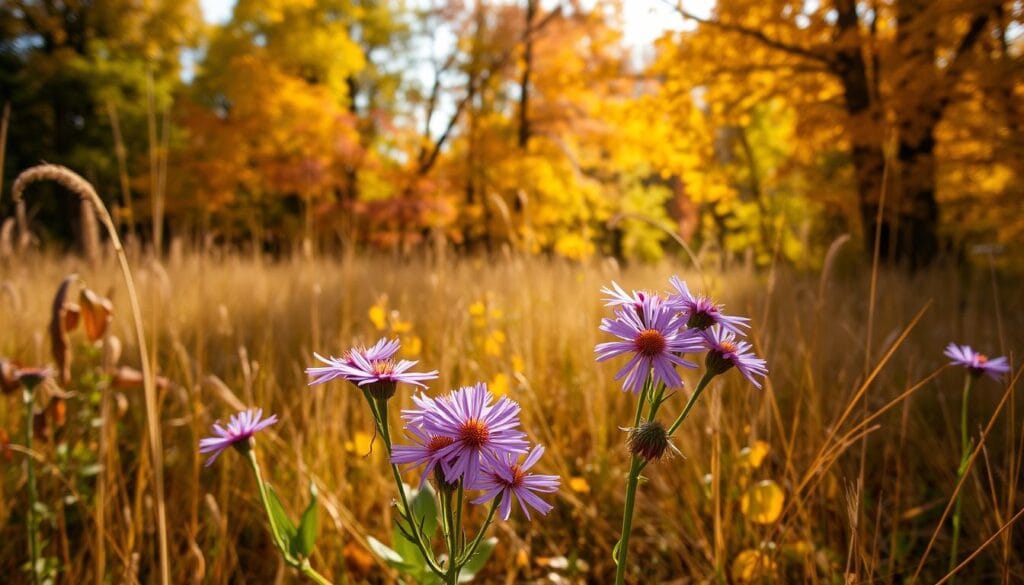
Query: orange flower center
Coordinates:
[982,358]
[438,443]
[474,433]
[727,347]
[650,342]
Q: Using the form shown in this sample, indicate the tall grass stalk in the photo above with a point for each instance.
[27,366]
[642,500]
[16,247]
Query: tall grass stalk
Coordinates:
[75,183]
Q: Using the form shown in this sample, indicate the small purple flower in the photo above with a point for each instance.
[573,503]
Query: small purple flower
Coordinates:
[510,478]
[977,363]
[656,338]
[617,296]
[423,453]
[701,312]
[384,349]
[240,428]
[381,377]
[373,370]
[725,352]
[480,431]
[32,377]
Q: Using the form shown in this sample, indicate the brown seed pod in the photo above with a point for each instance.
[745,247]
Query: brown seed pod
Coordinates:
[60,345]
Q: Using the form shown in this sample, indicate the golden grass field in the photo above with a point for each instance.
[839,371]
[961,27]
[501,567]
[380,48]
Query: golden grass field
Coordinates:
[863,491]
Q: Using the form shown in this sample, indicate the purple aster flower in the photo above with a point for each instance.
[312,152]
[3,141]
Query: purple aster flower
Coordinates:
[372,370]
[617,296]
[701,312]
[384,349]
[510,478]
[480,431]
[240,428]
[32,377]
[977,363]
[725,352]
[655,336]
[381,377]
[424,452]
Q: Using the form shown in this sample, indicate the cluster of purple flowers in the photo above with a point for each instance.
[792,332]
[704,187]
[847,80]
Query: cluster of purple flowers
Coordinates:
[467,436]
[657,330]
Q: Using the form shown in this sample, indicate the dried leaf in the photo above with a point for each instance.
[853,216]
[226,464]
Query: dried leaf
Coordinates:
[8,376]
[97,312]
[60,345]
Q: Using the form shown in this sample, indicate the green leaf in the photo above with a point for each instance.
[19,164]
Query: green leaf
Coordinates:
[282,523]
[309,525]
[478,560]
[424,510]
[389,556]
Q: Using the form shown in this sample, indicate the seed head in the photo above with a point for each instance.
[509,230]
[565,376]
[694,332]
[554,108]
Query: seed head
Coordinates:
[649,441]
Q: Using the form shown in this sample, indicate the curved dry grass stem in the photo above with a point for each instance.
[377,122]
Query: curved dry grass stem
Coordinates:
[75,183]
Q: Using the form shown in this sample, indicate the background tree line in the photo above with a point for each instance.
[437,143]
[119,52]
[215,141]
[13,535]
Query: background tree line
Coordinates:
[767,128]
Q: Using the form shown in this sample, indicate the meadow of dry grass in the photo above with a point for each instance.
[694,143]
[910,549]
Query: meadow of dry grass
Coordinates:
[862,501]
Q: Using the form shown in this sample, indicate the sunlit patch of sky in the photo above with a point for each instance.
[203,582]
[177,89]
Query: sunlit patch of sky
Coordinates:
[644,20]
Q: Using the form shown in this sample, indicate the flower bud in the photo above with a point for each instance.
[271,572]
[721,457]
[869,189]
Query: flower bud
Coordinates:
[717,362]
[381,389]
[442,484]
[649,441]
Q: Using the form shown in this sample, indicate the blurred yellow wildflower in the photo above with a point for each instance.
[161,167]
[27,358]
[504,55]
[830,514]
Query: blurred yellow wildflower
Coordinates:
[360,444]
[494,343]
[378,313]
[499,384]
[751,457]
[762,502]
[579,485]
[752,566]
[518,365]
[412,346]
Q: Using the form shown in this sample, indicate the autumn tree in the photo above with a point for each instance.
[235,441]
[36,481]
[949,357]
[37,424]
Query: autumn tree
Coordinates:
[894,69]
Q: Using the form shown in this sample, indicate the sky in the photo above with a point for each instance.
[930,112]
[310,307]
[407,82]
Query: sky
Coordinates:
[645,20]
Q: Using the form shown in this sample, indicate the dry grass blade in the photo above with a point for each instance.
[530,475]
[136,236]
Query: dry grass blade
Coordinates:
[75,183]
[983,546]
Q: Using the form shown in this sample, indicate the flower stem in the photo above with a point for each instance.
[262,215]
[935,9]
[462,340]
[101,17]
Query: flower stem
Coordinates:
[965,452]
[622,550]
[693,400]
[312,574]
[251,456]
[380,415]
[28,395]
[303,565]
[471,549]
[451,574]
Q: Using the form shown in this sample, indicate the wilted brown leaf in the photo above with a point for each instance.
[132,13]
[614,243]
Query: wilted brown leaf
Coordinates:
[59,343]
[97,312]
